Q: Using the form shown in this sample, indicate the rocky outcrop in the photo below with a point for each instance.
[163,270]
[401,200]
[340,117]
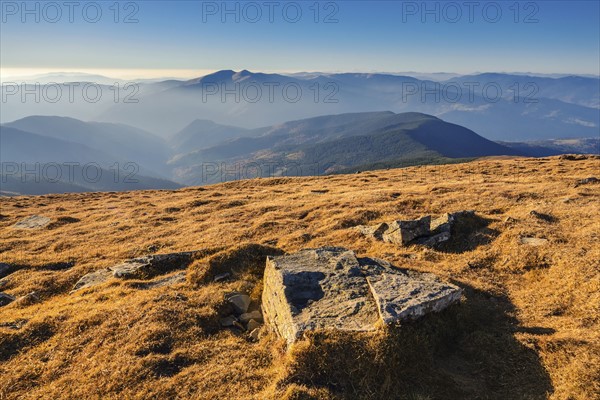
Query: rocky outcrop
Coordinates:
[424,231]
[150,266]
[330,288]
[141,268]
[32,222]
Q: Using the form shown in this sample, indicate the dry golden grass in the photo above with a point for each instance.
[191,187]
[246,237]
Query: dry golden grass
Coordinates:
[528,327]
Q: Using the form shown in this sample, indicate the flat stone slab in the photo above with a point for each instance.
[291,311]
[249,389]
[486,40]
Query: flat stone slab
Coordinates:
[330,288]
[403,296]
[32,222]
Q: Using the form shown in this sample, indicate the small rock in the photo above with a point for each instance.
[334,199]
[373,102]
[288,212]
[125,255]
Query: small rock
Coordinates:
[240,302]
[229,321]
[509,220]
[222,277]
[252,325]
[587,181]
[532,241]
[32,222]
[256,315]
[5,299]
[255,334]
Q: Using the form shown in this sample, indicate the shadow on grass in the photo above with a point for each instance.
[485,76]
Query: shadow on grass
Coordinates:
[466,352]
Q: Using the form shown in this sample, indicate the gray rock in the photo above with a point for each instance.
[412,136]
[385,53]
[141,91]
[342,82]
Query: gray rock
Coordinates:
[587,181]
[92,279]
[32,222]
[330,288]
[256,315]
[5,269]
[252,325]
[404,232]
[376,232]
[5,299]
[153,265]
[239,301]
[434,240]
[402,296]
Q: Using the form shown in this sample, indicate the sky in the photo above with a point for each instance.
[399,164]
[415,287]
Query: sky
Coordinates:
[146,39]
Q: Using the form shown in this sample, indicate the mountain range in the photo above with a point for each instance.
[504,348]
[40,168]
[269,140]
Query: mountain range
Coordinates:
[506,107]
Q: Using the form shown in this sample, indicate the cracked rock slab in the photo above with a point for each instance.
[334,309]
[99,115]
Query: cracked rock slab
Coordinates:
[330,288]
[403,296]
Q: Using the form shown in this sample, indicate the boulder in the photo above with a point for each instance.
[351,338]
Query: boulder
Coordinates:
[423,231]
[32,222]
[532,241]
[330,288]
[5,299]
[404,232]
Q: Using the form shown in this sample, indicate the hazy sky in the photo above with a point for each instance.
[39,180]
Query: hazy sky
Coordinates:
[188,38]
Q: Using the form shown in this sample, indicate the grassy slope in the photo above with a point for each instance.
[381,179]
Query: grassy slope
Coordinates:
[528,327]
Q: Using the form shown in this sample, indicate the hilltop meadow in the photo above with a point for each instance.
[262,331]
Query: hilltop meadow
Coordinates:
[528,326]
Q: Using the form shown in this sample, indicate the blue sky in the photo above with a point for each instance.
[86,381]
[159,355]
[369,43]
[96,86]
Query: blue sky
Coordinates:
[189,37]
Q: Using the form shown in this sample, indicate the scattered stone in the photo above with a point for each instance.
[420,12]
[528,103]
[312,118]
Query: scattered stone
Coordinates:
[252,325]
[434,240]
[404,232]
[92,279]
[330,288]
[228,322]
[5,299]
[32,222]
[222,277]
[587,181]
[239,301]
[533,241]
[150,266]
[255,315]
